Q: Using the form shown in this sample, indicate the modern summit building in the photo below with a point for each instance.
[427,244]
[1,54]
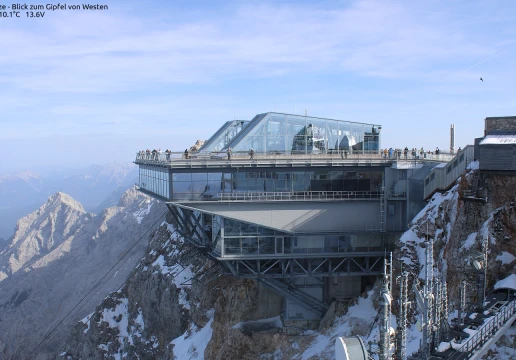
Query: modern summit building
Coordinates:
[310,214]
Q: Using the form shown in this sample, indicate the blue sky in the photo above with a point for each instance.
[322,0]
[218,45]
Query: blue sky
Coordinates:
[95,87]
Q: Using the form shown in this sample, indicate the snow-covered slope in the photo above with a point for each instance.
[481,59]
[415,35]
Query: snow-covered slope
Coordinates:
[225,319]
[459,225]
[60,253]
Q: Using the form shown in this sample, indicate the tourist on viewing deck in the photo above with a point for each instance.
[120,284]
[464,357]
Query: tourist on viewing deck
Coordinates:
[251,154]
[437,151]
[186,153]
[229,153]
[168,152]
[405,152]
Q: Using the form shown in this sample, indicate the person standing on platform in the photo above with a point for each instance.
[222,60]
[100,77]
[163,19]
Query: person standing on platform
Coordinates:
[229,153]
[251,154]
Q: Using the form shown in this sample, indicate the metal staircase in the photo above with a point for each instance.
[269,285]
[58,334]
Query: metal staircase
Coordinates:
[295,294]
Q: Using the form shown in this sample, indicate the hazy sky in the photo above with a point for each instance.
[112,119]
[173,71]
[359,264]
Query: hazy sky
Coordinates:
[93,87]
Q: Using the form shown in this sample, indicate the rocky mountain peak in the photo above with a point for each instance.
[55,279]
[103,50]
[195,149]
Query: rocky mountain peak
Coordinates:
[60,198]
[41,231]
[198,144]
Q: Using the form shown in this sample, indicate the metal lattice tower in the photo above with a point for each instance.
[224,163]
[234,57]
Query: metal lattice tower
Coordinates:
[385,345]
[462,303]
[437,312]
[444,297]
[485,251]
[452,138]
[401,333]
[425,299]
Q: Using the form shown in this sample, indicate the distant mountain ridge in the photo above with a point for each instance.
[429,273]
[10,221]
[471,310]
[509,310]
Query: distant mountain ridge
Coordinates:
[41,231]
[23,192]
[60,252]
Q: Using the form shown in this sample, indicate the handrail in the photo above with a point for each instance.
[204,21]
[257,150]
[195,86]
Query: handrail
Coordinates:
[181,158]
[299,196]
[486,331]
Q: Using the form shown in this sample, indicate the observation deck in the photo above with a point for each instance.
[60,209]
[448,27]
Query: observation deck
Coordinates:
[308,212]
[177,160]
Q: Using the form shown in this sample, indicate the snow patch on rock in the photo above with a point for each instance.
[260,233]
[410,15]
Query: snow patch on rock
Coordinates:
[140,214]
[508,283]
[193,342]
[506,258]
[357,321]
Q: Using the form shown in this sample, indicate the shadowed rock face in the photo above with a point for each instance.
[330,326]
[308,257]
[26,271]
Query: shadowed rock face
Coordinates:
[57,255]
[458,227]
[152,309]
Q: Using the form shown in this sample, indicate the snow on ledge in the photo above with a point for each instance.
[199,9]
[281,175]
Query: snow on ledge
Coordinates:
[193,342]
[508,283]
[470,241]
[506,258]
[474,165]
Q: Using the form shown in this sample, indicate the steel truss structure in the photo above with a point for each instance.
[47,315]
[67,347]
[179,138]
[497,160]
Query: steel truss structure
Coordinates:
[278,272]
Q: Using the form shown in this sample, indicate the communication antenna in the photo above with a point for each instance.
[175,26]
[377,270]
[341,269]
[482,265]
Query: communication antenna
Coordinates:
[436,322]
[401,333]
[452,138]
[385,345]
[424,298]
[485,251]
[462,303]
[444,298]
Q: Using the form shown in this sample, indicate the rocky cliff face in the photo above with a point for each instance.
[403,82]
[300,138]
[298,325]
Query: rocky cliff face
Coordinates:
[59,254]
[38,233]
[170,309]
[459,225]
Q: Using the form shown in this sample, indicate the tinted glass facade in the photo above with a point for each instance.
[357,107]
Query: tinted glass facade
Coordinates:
[239,238]
[205,186]
[294,134]
[155,180]
[223,137]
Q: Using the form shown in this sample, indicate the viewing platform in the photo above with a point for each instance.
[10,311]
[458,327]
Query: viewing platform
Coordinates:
[174,160]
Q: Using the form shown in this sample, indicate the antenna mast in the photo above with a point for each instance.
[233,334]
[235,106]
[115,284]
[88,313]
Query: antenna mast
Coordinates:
[452,138]
[401,333]
[385,345]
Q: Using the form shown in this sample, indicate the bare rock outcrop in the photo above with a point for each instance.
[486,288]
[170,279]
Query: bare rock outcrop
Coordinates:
[66,252]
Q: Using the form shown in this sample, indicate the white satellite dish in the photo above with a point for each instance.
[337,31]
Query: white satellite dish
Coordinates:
[477,265]
[350,348]
[341,352]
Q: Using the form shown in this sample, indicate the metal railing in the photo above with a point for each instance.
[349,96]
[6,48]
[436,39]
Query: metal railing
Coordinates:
[299,196]
[486,331]
[440,178]
[180,159]
[396,195]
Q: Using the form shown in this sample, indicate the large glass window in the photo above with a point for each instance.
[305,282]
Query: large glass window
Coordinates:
[155,180]
[206,186]
[280,133]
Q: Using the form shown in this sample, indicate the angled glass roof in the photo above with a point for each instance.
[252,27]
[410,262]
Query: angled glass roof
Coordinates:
[224,135]
[297,134]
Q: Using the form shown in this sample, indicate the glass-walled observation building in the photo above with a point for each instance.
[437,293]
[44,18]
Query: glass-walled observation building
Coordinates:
[308,216]
[275,133]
